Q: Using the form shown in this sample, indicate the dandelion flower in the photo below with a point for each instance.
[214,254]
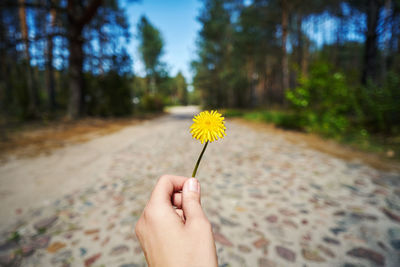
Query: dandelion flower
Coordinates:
[207,127]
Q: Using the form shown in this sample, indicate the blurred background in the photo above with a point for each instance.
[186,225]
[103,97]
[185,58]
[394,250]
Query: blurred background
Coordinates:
[329,67]
[96,101]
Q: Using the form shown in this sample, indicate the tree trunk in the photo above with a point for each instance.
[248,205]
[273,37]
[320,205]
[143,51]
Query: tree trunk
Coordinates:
[267,85]
[102,42]
[300,43]
[370,67]
[75,105]
[387,43]
[32,90]
[285,63]
[304,60]
[75,42]
[5,92]
[250,97]
[392,40]
[49,64]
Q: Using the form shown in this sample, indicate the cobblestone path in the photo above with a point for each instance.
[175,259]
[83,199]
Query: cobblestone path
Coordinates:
[271,203]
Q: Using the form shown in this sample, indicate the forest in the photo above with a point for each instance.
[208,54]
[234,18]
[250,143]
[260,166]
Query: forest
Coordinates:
[68,58]
[330,67]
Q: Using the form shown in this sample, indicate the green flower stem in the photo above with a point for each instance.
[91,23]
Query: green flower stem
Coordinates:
[198,161]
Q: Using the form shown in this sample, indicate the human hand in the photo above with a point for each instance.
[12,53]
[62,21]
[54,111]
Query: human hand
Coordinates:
[176,237]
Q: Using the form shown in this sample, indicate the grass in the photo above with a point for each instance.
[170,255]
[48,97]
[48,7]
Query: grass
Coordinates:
[385,146]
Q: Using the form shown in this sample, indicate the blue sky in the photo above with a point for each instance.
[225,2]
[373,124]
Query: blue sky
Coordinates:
[176,20]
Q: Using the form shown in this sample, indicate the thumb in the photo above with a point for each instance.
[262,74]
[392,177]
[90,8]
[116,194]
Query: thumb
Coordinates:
[191,200]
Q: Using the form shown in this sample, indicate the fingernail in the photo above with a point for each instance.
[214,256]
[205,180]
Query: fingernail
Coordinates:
[193,185]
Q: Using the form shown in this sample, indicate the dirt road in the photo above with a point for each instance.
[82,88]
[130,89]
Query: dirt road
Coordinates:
[271,202]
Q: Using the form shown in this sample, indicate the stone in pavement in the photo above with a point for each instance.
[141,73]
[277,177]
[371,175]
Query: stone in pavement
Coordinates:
[393,201]
[327,251]
[41,241]
[338,230]
[391,215]
[394,236]
[244,248]
[7,258]
[91,231]
[118,250]
[340,213]
[262,242]
[290,223]
[61,257]
[82,251]
[388,180]
[272,218]
[56,246]
[89,261]
[286,253]
[45,223]
[363,216]
[330,240]
[346,264]
[263,262]
[105,241]
[6,242]
[27,249]
[367,254]
[312,255]
[227,222]
[238,259]
[220,238]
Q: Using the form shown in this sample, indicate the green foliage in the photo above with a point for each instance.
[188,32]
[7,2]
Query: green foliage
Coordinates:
[213,74]
[159,88]
[194,97]
[328,105]
[109,95]
[324,101]
[287,120]
[35,80]
[151,45]
[381,105]
[181,89]
[152,102]
[232,113]
[284,119]
[357,137]
[170,91]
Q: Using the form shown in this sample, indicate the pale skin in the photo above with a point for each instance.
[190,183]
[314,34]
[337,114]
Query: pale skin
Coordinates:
[173,229]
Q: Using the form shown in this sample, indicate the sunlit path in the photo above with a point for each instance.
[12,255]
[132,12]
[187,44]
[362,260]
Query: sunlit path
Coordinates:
[271,202]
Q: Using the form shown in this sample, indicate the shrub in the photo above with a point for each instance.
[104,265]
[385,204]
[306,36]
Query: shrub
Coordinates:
[109,95]
[230,113]
[381,105]
[152,102]
[324,102]
[284,119]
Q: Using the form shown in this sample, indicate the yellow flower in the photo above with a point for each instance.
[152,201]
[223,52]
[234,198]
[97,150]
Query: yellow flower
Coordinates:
[208,126]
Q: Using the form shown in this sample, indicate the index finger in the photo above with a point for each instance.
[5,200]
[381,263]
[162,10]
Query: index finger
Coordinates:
[165,187]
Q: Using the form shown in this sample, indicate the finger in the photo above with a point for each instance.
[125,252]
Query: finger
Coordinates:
[191,200]
[165,187]
[180,214]
[177,200]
